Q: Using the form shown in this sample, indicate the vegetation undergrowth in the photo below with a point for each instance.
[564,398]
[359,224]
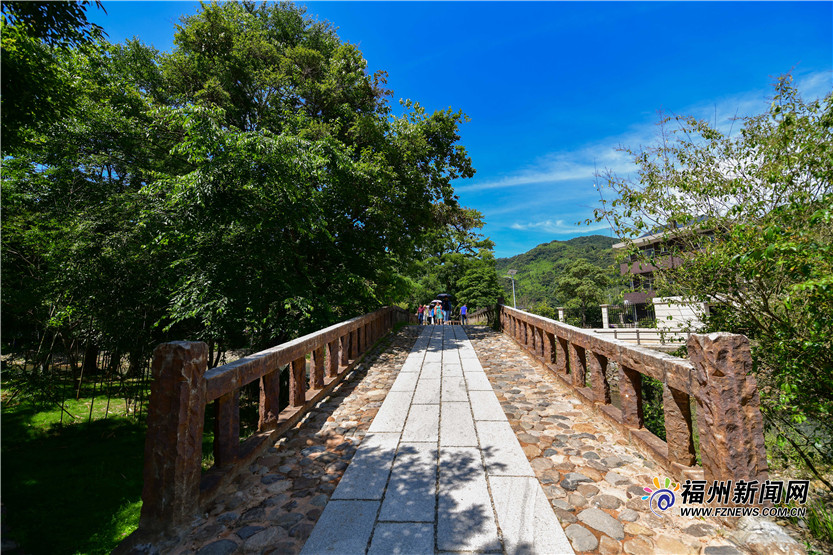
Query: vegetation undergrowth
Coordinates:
[74,488]
[820,520]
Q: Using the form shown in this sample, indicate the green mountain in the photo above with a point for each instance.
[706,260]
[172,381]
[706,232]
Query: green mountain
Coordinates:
[539,268]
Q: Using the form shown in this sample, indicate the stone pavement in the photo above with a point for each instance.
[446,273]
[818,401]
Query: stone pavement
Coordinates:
[581,463]
[591,475]
[440,469]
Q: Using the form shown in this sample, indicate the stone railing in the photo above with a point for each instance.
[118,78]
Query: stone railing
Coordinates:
[483,316]
[718,379]
[175,488]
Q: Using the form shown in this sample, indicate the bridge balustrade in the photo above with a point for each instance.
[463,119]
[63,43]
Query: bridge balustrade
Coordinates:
[175,488]
[718,378]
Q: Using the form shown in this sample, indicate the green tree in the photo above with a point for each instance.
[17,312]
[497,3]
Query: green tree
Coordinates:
[37,89]
[581,286]
[479,286]
[749,215]
[456,259]
[248,186]
[544,309]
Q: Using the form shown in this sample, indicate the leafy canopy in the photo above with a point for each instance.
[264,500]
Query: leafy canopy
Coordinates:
[248,186]
[749,214]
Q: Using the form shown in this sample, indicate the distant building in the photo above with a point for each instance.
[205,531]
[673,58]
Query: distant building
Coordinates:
[658,247]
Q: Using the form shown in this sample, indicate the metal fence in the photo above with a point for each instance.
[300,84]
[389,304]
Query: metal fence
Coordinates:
[631,316]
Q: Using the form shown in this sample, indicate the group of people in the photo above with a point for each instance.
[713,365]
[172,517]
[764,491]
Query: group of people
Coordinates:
[439,314]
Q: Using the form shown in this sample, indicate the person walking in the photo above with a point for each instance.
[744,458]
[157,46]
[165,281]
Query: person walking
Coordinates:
[438,311]
[464,310]
[420,314]
[446,309]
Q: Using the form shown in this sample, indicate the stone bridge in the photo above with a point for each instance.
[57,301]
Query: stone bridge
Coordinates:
[449,439]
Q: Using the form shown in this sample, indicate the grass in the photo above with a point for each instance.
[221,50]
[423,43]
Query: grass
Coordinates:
[73,483]
[71,488]
[819,520]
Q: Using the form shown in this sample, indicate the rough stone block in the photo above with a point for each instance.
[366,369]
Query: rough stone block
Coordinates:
[728,408]
[525,516]
[411,494]
[344,528]
[402,538]
[603,522]
[465,520]
[173,445]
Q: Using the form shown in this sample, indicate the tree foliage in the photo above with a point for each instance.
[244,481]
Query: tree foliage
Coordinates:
[37,89]
[750,216]
[456,259]
[541,268]
[582,285]
[250,185]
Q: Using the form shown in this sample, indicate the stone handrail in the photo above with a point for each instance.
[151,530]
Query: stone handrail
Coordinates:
[718,378]
[175,488]
[483,316]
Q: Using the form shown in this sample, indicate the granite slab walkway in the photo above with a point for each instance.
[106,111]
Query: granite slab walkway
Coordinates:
[440,469]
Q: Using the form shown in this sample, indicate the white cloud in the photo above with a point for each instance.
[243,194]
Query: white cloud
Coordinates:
[815,85]
[582,164]
[558,227]
[561,167]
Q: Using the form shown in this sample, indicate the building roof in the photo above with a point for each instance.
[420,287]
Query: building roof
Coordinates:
[658,234]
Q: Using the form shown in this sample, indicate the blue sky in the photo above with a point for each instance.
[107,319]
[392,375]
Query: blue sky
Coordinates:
[553,88]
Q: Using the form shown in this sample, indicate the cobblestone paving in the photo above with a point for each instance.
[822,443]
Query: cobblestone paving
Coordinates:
[589,473]
[273,508]
[592,477]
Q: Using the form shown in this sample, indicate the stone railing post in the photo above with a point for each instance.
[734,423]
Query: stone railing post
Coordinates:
[332,358]
[630,389]
[605,316]
[597,364]
[578,365]
[173,444]
[317,374]
[678,430]
[729,416]
[562,356]
[560,313]
[345,349]
[298,382]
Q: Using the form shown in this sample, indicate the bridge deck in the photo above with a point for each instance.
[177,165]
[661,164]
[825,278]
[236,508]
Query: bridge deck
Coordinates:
[590,475]
[440,469]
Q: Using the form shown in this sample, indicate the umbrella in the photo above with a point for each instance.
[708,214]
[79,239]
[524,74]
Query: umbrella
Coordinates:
[444,295]
[436,301]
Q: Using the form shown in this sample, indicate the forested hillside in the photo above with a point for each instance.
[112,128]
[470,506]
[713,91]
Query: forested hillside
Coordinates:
[541,269]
